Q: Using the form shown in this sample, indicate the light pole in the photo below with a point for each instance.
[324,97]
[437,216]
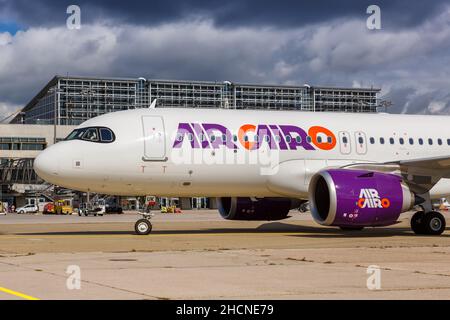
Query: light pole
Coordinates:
[55,111]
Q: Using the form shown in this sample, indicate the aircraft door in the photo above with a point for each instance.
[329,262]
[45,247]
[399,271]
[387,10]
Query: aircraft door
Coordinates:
[344,142]
[154,138]
[360,142]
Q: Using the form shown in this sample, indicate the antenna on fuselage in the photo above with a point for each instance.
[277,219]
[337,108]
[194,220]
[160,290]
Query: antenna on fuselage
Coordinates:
[153,105]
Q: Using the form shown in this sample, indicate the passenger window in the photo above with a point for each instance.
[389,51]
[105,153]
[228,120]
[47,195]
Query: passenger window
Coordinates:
[391,140]
[213,138]
[190,137]
[430,141]
[372,140]
[402,141]
[298,139]
[440,142]
[91,134]
[411,141]
[308,139]
[344,140]
[288,139]
[224,138]
[448,142]
[319,139]
[420,141]
[360,140]
[235,138]
[267,138]
[329,139]
[381,140]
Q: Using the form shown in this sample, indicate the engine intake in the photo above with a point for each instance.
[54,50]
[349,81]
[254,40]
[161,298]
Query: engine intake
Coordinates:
[358,198]
[268,209]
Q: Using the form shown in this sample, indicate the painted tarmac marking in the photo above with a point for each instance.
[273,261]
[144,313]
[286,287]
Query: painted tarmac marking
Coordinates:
[17,294]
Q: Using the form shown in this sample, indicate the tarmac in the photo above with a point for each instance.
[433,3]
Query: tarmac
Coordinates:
[198,255]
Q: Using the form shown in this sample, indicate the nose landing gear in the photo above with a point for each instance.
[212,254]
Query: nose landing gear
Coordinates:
[143,226]
[430,223]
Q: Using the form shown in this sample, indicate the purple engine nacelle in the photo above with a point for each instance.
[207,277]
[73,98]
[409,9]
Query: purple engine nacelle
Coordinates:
[244,208]
[358,198]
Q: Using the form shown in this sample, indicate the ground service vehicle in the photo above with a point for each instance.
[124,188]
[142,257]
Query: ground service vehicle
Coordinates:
[29,208]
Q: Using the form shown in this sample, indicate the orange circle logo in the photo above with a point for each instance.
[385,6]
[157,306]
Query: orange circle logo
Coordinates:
[385,203]
[323,145]
[361,202]
[243,133]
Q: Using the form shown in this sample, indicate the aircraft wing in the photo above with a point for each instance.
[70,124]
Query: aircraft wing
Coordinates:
[432,166]
[420,174]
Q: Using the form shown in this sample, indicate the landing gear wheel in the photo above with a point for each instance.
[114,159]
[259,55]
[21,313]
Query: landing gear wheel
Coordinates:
[351,228]
[143,227]
[434,223]
[417,222]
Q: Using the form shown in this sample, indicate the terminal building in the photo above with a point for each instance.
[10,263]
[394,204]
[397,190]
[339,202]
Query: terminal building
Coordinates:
[73,100]
[68,101]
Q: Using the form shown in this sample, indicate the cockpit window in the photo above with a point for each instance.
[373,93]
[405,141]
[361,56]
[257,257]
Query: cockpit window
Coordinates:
[106,135]
[92,134]
[76,134]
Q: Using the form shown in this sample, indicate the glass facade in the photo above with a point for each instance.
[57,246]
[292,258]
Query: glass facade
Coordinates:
[76,99]
[12,143]
[17,171]
[43,112]
[227,95]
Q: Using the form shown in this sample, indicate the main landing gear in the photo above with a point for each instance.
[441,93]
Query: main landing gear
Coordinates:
[430,223]
[143,226]
[427,221]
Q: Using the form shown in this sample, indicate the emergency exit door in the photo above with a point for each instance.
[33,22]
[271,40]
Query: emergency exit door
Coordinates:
[345,142]
[154,138]
[360,142]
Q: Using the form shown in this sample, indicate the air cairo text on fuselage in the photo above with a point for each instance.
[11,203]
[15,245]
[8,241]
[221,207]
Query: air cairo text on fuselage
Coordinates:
[252,137]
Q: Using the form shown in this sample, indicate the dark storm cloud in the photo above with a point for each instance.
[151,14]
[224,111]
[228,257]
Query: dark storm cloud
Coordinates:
[277,43]
[280,14]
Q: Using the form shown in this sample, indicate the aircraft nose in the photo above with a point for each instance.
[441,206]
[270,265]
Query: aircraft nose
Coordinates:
[46,165]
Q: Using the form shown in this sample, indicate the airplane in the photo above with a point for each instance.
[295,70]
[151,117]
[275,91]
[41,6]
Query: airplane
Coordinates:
[356,170]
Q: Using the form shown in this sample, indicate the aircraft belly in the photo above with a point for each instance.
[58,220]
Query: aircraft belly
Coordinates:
[441,189]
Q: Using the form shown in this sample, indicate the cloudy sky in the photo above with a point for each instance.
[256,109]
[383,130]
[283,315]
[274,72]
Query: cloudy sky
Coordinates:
[276,42]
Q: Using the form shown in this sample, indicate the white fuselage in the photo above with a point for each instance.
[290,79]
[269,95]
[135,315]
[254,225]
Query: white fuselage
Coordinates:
[148,157]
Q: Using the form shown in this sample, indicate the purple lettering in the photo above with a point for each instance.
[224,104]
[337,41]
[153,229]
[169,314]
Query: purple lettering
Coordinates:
[279,136]
[202,137]
[212,128]
[294,143]
[185,130]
